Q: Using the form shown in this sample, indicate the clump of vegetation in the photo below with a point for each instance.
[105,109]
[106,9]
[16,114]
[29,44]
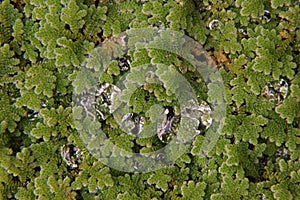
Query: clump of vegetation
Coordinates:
[255,45]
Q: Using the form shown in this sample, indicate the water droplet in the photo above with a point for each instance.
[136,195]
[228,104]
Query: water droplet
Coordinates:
[276,92]
[124,64]
[214,24]
[267,15]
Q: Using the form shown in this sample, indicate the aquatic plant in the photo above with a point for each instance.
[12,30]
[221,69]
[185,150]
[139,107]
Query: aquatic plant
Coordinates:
[255,45]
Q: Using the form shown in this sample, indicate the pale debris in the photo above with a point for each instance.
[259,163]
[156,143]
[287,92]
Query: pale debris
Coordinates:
[276,92]
[205,116]
[71,155]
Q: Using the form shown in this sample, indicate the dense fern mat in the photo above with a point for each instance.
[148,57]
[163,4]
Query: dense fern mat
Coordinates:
[255,45]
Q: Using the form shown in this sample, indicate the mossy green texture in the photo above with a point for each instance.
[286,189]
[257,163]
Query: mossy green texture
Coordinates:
[254,43]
